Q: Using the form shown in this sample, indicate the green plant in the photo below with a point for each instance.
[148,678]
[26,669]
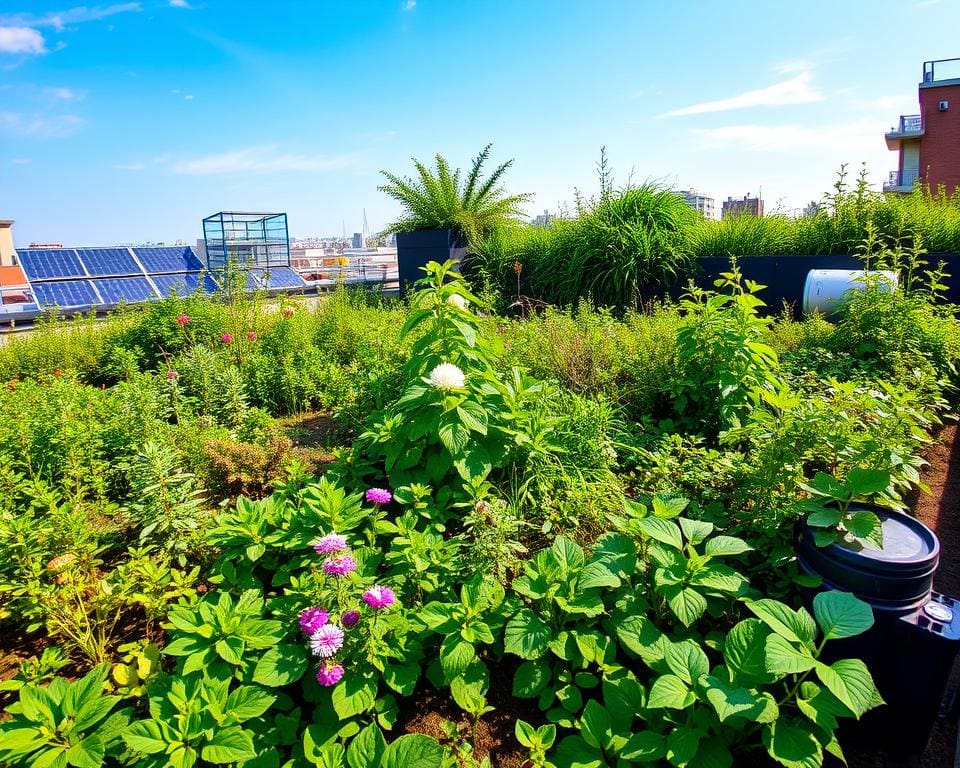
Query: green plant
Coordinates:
[829,506]
[64,724]
[34,671]
[471,207]
[537,740]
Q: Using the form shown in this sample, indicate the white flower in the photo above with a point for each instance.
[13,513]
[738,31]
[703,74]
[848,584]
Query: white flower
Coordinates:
[457,300]
[447,376]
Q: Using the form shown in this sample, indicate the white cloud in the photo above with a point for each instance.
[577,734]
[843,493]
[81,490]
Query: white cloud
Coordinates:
[21,161]
[780,138]
[796,90]
[40,127]
[61,94]
[409,5]
[180,4]
[77,15]
[188,97]
[21,40]
[265,159]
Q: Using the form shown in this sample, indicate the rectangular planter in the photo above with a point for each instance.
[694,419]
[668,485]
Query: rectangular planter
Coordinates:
[415,249]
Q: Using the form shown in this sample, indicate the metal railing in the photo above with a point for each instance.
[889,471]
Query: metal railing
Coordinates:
[930,70]
[900,179]
[910,124]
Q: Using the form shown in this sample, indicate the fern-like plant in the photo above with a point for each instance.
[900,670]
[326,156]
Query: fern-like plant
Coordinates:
[437,199]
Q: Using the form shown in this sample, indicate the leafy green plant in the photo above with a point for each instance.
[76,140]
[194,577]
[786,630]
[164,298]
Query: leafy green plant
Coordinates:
[832,508]
[471,206]
[64,724]
[537,740]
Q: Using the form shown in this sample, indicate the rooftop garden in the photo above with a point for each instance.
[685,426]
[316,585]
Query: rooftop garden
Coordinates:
[453,532]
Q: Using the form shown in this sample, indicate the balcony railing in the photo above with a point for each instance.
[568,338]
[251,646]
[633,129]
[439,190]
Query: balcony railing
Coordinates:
[910,124]
[900,181]
[942,69]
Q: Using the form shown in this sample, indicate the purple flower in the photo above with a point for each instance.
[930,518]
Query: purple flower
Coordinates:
[379,597]
[329,673]
[339,565]
[326,640]
[379,496]
[331,544]
[350,618]
[312,619]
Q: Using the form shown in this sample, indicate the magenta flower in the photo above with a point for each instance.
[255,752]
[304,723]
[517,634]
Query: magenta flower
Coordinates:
[227,338]
[379,597]
[339,565]
[252,335]
[350,619]
[183,319]
[379,496]
[331,544]
[312,619]
[330,673]
[171,374]
[326,641]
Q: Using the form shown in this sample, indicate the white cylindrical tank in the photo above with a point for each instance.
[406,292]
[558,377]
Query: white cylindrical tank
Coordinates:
[825,288]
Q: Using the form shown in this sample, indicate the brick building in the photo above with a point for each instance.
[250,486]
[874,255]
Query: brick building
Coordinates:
[929,143]
[749,206]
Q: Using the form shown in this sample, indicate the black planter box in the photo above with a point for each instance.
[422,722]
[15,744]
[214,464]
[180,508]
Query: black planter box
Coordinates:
[415,249]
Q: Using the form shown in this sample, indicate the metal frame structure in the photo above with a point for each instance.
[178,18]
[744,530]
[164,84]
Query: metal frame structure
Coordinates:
[246,240]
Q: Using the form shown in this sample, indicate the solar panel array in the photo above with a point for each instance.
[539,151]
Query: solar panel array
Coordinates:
[73,278]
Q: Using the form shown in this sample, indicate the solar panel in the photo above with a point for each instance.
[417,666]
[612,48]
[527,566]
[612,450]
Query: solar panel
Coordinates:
[178,258]
[117,289]
[65,293]
[184,284]
[109,261]
[46,263]
[275,277]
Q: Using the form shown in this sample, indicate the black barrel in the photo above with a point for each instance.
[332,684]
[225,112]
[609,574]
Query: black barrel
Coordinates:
[910,649]
[897,579]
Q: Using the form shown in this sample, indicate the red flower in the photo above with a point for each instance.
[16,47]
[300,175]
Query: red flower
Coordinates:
[288,313]
[183,319]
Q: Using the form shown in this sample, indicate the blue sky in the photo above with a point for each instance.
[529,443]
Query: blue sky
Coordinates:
[131,121]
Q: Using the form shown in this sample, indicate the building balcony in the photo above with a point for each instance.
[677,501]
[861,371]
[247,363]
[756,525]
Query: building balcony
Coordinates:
[901,181]
[940,72]
[909,127]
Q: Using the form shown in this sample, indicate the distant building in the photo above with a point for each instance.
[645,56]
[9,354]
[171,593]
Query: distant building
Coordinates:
[748,206]
[699,202]
[543,220]
[929,143]
[358,240]
[7,255]
[812,208]
[390,240]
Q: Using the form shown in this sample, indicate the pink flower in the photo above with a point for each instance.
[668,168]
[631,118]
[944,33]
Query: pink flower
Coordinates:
[171,374]
[379,496]
[312,619]
[227,338]
[339,565]
[350,619]
[326,641]
[379,597]
[183,319]
[330,673]
[331,544]
[252,335]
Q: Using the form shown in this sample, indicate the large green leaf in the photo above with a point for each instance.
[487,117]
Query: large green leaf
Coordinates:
[669,692]
[413,750]
[145,736]
[720,546]
[367,748]
[639,635]
[530,678]
[228,745]
[850,681]
[687,604]
[455,656]
[792,746]
[840,614]
[569,556]
[664,531]
[595,725]
[682,745]
[354,695]
[730,701]
[87,753]
[864,482]
[644,747]
[784,658]
[526,635]
[248,702]
[687,661]
[695,530]
[793,625]
[865,525]
[402,677]
[281,665]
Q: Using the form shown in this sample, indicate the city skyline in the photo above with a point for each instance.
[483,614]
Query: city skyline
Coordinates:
[131,121]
